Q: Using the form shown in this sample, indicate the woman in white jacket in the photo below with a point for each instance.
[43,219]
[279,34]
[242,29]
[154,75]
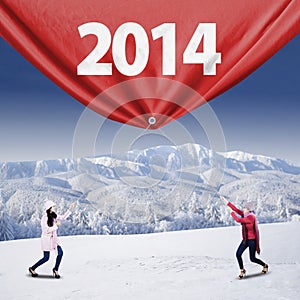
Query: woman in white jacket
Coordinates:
[49,240]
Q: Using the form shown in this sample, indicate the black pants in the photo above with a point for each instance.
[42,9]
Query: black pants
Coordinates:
[46,258]
[252,247]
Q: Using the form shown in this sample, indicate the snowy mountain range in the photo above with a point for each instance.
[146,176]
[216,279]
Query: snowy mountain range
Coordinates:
[158,189]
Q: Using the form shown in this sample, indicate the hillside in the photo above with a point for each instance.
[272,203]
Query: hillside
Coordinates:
[196,264]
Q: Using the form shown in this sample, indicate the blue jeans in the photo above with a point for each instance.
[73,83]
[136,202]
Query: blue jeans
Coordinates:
[252,248]
[46,258]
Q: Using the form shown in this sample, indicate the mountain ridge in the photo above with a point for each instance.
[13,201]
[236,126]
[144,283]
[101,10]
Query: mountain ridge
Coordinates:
[162,188]
[243,161]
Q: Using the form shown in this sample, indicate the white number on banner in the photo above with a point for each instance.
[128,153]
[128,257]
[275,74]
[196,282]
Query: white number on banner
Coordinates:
[90,65]
[209,57]
[141,49]
[168,34]
[205,32]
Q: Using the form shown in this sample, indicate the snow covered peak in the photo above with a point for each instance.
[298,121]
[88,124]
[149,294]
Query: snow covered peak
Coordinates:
[246,162]
[15,170]
[138,162]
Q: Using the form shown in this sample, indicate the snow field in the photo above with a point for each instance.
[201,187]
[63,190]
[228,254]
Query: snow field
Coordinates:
[196,264]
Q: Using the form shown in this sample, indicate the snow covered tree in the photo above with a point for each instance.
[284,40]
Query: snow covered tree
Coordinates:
[81,221]
[21,218]
[212,213]
[281,209]
[259,208]
[194,206]
[127,211]
[106,230]
[6,227]
[150,215]
[162,226]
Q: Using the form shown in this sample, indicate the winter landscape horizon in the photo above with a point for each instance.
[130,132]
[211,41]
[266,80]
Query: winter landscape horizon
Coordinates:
[118,242]
[164,188]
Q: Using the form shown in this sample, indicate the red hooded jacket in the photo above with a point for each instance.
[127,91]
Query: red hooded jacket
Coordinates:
[249,225]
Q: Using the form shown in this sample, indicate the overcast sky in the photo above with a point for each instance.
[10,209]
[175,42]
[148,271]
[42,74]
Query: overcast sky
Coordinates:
[260,115]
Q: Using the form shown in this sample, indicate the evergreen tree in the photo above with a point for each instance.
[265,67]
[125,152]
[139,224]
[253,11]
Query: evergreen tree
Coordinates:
[194,206]
[127,211]
[281,209]
[150,215]
[81,221]
[21,218]
[259,208]
[212,213]
[6,227]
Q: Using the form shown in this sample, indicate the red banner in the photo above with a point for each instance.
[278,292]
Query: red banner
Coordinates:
[149,61]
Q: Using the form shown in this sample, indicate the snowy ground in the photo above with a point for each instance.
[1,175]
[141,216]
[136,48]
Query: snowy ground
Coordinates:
[198,264]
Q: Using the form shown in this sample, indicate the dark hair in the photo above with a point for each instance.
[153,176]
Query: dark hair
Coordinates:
[51,216]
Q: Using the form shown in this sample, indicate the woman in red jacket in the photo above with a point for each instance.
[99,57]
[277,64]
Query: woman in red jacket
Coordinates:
[250,234]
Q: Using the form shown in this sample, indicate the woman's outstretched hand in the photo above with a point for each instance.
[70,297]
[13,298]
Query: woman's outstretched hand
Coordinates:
[224,200]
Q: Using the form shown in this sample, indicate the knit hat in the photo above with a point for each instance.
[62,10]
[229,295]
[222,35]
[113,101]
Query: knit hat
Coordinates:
[249,206]
[48,204]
